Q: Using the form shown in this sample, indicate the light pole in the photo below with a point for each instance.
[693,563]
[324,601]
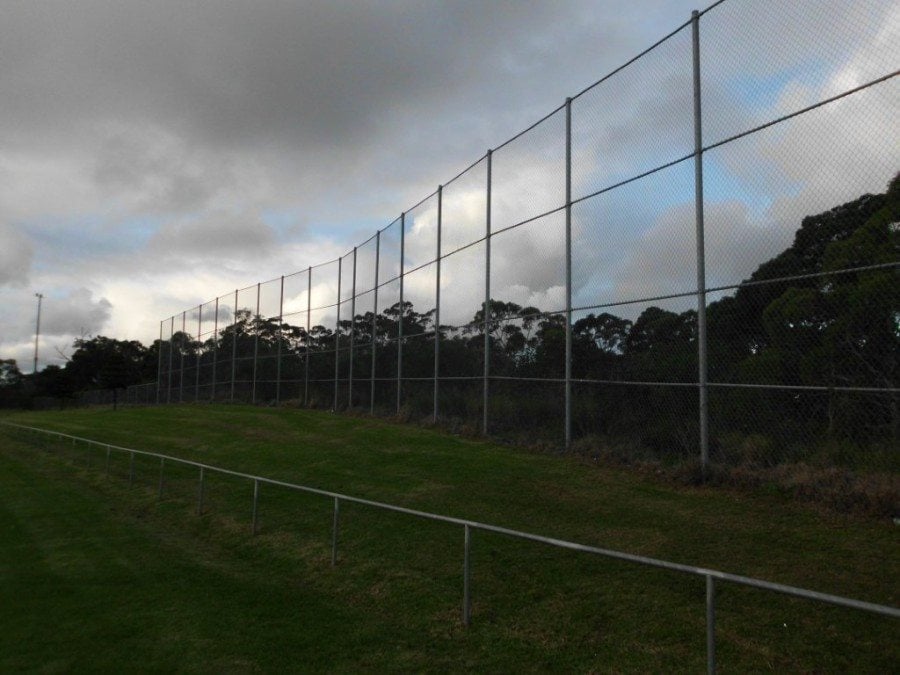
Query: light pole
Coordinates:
[37,331]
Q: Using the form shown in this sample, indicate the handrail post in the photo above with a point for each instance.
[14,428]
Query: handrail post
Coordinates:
[334,531]
[710,625]
[467,609]
[162,468]
[253,528]
[200,494]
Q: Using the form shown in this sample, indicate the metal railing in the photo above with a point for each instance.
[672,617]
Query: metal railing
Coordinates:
[710,576]
[694,145]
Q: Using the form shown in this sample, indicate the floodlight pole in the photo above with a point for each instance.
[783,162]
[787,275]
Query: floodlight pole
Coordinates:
[37,331]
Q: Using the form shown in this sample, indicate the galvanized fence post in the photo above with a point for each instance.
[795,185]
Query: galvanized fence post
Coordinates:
[253,528]
[280,340]
[159,366]
[200,494]
[335,523]
[337,335]
[181,354]
[701,250]
[308,327]
[467,608]
[568,420]
[400,312]
[171,351]
[199,350]
[215,359]
[487,296]
[234,339]
[255,347]
[437,303]
[710,625]
[352,335]
[375,319]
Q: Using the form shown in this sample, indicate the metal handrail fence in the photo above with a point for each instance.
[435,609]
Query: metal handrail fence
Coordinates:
[710,576]
[378,274]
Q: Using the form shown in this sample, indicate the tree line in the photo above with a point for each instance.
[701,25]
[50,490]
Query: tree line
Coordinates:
[823,314]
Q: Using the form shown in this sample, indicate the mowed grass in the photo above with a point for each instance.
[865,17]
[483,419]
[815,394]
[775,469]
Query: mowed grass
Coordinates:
[98,574]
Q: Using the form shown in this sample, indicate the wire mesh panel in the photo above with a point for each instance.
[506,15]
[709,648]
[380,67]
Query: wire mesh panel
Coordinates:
[760,62]
[244,336]
[528,174]
[464,208]
[224,313]
[637,120]
[636,241]
[208,346]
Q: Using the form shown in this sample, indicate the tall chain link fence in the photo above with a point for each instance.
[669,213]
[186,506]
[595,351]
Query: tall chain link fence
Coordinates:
[695,259]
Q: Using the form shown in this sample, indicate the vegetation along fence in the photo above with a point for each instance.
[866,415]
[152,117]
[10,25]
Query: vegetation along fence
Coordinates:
[695,257]
[710,576]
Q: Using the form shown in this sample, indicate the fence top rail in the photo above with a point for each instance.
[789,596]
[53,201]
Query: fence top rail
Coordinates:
[885,610]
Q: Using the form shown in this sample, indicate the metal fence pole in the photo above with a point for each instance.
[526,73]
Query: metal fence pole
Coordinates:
[701,250]
[375,318]
[280,340]
[487,296]
[171,351]
[200,494]
[181,352]
[337,335]
[215,360]
[352,335]
[199,350]
[467,607]
[234,339]
[255,347]
[710,625]
[400,312]
[437,302]
[308,327]
[568,420]
[162,468]
[253,528]
[334,531]
[159,366]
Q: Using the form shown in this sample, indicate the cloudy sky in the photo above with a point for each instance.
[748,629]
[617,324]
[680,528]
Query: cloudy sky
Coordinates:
[154,155]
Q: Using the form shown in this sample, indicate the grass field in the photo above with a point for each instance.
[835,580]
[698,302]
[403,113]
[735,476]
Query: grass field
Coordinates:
[98,575]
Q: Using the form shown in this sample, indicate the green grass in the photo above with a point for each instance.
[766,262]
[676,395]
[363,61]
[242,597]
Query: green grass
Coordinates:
[95,574]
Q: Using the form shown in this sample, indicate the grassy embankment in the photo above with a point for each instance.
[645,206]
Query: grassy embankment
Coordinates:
[95,574]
